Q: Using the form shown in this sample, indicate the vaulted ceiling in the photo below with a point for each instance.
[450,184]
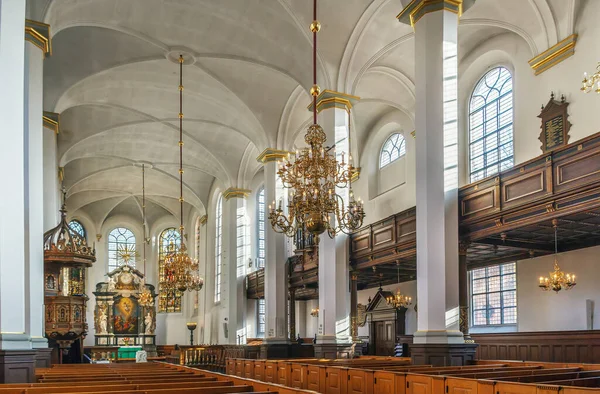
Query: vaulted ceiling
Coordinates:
[113,80]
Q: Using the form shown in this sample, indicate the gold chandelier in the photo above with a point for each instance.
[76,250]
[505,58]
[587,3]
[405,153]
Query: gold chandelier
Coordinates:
[587,85]
[314,174]
[146,298]
[398,300]
[557,280]
[181,271]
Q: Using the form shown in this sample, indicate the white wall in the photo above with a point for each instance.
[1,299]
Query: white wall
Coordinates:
[538,310]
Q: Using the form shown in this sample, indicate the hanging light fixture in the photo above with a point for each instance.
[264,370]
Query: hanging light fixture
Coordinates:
[398,300]
[314,312]
[587,85]
[181,270]
[313,175]
[146,298]
[557,280]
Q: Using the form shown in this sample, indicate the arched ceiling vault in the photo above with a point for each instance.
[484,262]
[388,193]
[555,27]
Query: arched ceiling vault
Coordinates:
[246,89]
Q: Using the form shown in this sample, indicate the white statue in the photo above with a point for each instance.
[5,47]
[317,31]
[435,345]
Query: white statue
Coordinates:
[111,284]
[149,324]
[141,356]
[103,319]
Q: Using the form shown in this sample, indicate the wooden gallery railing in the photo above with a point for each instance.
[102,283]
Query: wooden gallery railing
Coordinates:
[557,183]
[394,376]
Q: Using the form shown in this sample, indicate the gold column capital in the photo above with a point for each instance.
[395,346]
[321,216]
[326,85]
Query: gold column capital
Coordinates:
[272,154]
[61,173]
[234,192]
[416,9]
[203,219]
[554,55]
[51,120]
[355,175]
[332,99]
[38,34]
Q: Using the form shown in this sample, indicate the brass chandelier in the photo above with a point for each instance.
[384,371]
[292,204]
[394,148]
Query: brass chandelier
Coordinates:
[557,280]
[181,270]
[313,175]
[398,300]
[146,298]
[587,85]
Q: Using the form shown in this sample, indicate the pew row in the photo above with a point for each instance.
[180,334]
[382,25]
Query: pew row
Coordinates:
[150,378]
[380,376]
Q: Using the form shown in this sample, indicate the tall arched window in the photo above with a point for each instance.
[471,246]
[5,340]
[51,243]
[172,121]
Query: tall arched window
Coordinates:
[120,239]
[168,300]
[260,230]
[491,124]
[76,227]
[218,248]
[393,149]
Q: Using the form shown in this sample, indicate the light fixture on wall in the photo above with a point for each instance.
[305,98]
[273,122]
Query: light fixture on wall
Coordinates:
[146,298]
[314,312]
[557,280]
[181,269]
[398,300]
[587,85]
[313,175]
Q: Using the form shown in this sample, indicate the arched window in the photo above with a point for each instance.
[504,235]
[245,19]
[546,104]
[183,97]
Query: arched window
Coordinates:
[168,300]
[260,230]
[218,248]
[491,124]
[120,239]
[393,149]
[76,227]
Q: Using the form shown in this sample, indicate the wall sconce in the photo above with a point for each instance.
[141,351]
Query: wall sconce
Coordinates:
[315,312]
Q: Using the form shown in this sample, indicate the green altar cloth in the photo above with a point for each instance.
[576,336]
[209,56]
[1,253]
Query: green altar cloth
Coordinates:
[128,351]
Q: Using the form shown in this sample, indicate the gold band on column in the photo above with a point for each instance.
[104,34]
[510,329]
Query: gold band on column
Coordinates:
[38,34]
[51,121]
[234,192]
[332,99]
[271,154]
[416,9]
[554,55]
[203,219]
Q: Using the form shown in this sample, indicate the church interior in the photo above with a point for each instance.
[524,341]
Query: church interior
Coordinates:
[295,196]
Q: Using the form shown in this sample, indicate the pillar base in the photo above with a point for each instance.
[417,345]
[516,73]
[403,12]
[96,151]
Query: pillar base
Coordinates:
[43,358]
[17,366]
[334,350]
[274,350]
[442,354]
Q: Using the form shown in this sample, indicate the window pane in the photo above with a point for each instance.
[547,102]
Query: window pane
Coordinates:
[393,149]
[121,248]
[491,115]
[494,295]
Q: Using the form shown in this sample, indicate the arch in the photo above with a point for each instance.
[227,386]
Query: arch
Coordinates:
[392,149]
[121,241]
[75,227]
[491,148]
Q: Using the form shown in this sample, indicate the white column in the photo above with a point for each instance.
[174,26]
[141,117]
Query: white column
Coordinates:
[334,294]
[233,298]
[13,308]
[51,182]
[34,191]
[275,276]
[436,172]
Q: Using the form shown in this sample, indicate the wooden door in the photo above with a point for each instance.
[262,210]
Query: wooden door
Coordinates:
[385,338]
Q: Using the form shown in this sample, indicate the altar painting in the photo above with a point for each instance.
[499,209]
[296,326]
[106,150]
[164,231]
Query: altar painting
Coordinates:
[126,316]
